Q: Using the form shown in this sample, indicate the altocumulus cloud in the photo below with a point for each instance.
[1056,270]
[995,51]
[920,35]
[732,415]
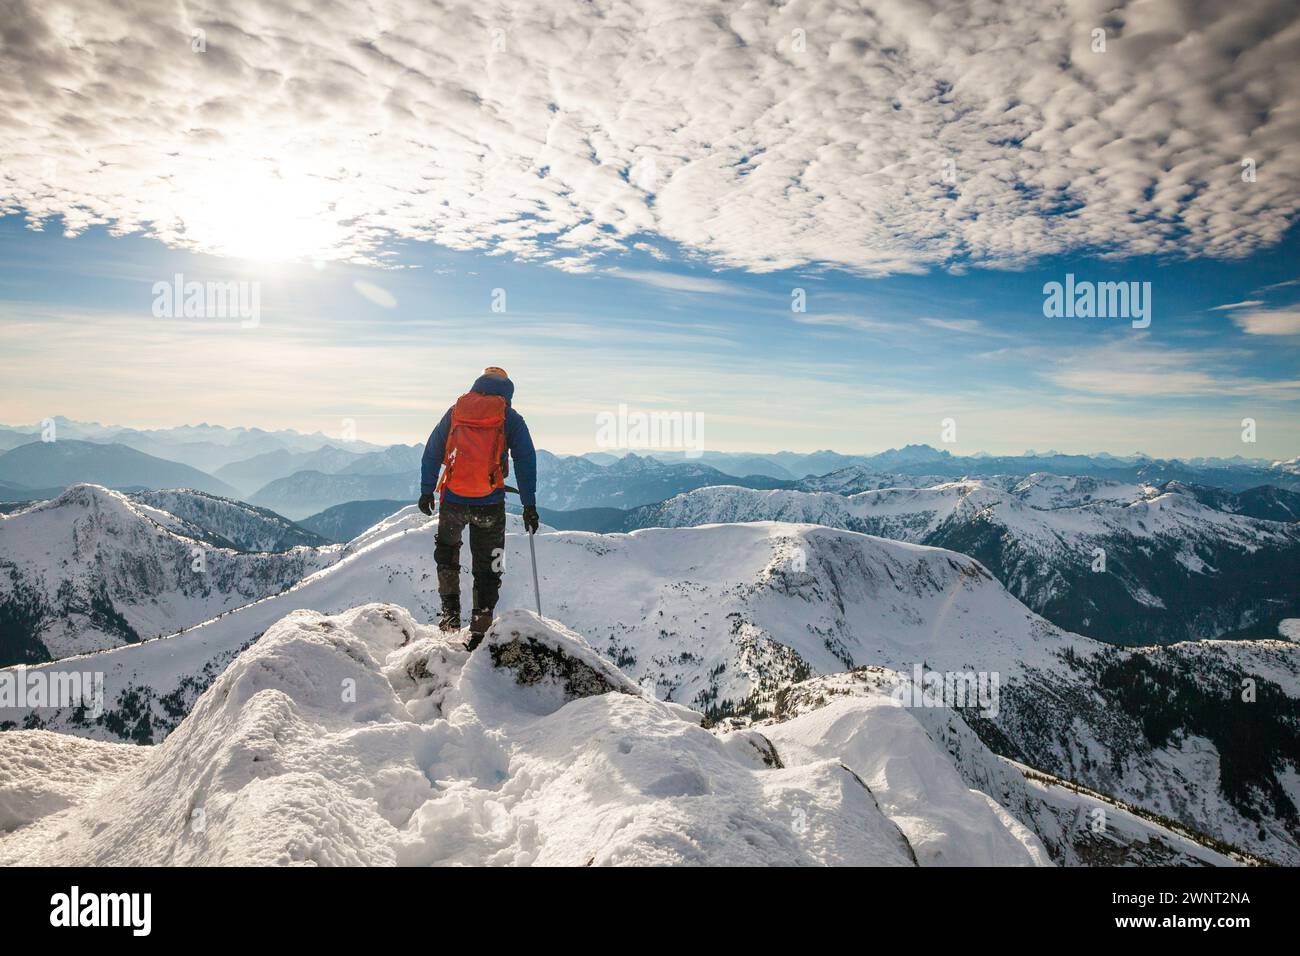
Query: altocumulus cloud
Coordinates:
[905,137]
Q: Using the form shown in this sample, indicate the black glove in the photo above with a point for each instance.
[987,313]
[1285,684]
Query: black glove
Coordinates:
[426,503]
[531,521]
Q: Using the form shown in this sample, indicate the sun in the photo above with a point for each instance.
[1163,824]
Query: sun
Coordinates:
[263,212]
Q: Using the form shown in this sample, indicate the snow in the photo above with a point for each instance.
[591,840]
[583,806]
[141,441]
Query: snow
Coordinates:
[721,613]
[366,738]
[946,822]
[91,544]
[1050,514]
[1040,812]
[440,758]
[43,773]
[1289,628]
[683,603]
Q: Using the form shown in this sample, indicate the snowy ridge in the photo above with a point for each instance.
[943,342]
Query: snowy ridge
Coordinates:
[1175,566]
[93,569]
[226,523]
[367,738]
[857,715]
[724,618]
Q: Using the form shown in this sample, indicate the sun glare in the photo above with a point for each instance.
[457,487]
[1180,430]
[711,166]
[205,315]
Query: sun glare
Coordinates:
[266,214]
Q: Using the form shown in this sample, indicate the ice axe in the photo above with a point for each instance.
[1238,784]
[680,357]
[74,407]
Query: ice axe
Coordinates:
[532,551]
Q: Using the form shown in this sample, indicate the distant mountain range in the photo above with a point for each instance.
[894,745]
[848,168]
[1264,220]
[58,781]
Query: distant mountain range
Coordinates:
[253,474]
[1180,562]
[305,493]
[44,465]
[206,447]
[565,483]
[301,476]
[933,465]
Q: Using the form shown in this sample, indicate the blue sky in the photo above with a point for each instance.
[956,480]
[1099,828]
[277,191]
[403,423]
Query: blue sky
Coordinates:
[872,363]
[649,183]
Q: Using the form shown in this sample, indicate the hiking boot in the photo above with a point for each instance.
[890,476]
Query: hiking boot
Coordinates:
[480,620]
[450,620]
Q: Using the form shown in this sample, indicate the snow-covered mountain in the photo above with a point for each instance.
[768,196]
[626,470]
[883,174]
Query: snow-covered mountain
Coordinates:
[736,464]
[857,718]
[1174,568]
[229,524]
[726,618]
[857,478]
[93,569]
[923,465]
[1266,501]
[368,738]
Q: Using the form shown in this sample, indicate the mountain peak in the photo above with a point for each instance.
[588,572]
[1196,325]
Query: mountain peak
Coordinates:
[905,456]
[453,736]
[632,463]
[87,495]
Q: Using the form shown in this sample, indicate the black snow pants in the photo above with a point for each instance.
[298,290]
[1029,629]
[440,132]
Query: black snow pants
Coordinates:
[487,546]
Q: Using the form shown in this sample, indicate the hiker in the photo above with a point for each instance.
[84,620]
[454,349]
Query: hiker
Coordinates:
[471,445]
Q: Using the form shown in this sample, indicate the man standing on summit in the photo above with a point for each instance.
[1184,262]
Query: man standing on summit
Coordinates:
[472,445]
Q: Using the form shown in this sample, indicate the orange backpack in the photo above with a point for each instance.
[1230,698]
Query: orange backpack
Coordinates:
[476,442]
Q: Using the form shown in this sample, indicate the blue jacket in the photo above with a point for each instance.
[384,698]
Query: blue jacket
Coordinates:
[519,446]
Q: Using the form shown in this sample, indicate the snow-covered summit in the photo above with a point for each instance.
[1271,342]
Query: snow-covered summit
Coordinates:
[368,738]
[92,569]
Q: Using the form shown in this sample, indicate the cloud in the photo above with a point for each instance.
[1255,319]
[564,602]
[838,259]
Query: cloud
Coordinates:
[846,320]
[653,251]
[676,282]
[1268,321]
[891,140]
[955,325]
[1238,305]
[1136,367]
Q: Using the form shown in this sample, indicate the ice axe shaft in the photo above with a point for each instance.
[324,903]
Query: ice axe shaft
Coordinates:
[532,551]
[537,591]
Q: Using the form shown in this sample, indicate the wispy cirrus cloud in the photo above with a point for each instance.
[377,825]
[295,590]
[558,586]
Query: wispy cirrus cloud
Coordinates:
[955,325]
[846,320]
[676,282]
[889,140]
[1139,366]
